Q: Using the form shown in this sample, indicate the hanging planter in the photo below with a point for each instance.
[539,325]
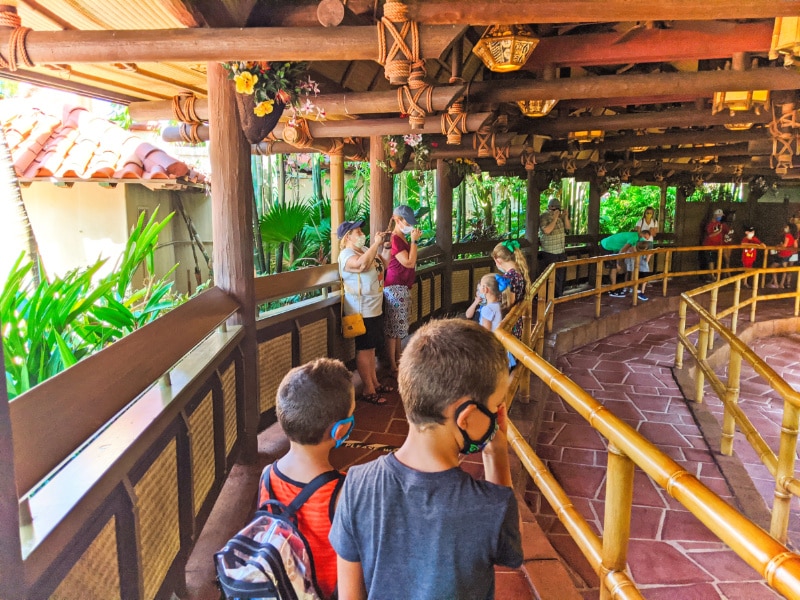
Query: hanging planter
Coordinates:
[256,128]
[457,169]
[396,165]
[265,89]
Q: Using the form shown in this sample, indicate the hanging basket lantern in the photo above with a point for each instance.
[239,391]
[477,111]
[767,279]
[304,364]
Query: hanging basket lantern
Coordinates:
[504,48]
[740,101]
[536,108]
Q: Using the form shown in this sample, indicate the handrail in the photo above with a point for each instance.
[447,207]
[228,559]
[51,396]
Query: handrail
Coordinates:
[780,466]
[103,384]
[774,561]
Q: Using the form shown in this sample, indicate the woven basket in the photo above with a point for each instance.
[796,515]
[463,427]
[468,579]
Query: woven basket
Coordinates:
[396,165]
[256,128]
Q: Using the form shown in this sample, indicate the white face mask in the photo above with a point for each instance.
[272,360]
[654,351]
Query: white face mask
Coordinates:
[360,240]
[750,235]
[407,229]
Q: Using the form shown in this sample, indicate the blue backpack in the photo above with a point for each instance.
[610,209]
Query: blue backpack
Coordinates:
[270,559]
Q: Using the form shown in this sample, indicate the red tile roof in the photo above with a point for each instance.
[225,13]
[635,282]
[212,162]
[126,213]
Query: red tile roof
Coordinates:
[79,144]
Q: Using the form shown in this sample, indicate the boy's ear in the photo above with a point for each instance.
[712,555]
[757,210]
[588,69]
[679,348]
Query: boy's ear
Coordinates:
[462,419]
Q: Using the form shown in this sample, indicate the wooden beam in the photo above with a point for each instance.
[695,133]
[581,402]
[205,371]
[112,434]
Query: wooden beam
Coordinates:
[220,45]
[339,129]
[333,104]
[680,138]
[703,83]
[642,120]
[649,45]
[481,12]
[742,148]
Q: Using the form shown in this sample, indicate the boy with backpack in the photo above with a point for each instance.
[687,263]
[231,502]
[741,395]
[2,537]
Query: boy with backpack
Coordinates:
[315,404]
[413,524]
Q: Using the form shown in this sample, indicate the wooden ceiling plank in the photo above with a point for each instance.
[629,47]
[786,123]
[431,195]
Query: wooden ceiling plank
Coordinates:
[648,46]
[208,45]
[481,12]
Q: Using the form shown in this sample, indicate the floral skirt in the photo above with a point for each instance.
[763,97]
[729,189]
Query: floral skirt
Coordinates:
[396,306]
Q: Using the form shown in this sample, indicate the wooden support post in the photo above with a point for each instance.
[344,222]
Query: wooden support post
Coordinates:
[594,221]
[380,188]
[681,235]
[444,230]
[337,201]
[11,570]
[232,216]
[617,522]
[532,221]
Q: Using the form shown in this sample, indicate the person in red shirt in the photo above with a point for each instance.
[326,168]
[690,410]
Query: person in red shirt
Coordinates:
[314,405]
[400,275]
[714,235]
[789,244]
[749,254]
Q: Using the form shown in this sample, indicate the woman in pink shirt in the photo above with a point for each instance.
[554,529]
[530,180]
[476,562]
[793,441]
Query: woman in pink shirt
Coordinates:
[399,278]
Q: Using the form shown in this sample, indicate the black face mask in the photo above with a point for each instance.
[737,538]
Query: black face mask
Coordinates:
[472,446]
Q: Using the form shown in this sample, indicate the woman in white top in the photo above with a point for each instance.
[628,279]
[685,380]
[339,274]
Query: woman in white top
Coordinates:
[361,270]
[648,221]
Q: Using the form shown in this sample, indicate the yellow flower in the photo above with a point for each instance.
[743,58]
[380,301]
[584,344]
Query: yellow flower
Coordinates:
[245,82]
[264,108]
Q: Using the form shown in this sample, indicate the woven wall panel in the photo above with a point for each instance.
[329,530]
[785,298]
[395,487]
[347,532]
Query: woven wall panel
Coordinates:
[480,272]
[96,574]
[426,297]
[413,314]
[437,292]
[313,341]
[157,504]
[461,291]
[228,378]
[201,432]
[274,361]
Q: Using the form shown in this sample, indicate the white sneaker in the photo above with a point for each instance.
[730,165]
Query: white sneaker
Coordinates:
[642,297]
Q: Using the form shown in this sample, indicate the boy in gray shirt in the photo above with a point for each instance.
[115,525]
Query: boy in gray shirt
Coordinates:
[413,524]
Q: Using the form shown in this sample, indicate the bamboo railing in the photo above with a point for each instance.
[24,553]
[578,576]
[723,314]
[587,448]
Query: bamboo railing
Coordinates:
[607,554]
[780,466]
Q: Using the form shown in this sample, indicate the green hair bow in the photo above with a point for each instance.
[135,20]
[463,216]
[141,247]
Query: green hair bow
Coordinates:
[511,245]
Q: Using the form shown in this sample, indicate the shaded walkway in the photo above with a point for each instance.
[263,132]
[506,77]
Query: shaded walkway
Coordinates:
[671,554]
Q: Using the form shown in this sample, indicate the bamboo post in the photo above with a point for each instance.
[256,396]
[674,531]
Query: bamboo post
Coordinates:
[797,293]
[635,280]
[718,273]
[617,522]
[681,334]
[598,285]
[737,290]
[781,506]
[712,308]
[551,294]
[731,398]
[667,268]
[525,382]
[755,297]
[702,354]
[541,306]
[337,201]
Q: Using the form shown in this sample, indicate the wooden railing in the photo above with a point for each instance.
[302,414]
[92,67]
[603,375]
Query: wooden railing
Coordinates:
[781,467]
[627,448]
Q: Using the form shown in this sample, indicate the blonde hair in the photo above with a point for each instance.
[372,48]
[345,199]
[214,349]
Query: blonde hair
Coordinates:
[504,297]
[501,251]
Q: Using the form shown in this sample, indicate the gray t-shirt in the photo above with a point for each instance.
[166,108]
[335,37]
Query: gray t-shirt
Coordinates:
[432,536]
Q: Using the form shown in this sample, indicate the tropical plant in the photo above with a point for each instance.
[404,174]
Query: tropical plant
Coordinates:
[281,224]
[50,325]
[286,83]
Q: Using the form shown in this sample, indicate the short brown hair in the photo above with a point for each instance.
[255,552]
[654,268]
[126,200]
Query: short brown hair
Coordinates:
[446,360]
[312,397]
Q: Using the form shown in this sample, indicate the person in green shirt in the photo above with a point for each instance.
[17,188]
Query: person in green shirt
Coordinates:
[613,244]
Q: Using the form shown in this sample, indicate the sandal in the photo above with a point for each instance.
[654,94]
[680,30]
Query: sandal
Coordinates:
[376,399]
[384,389]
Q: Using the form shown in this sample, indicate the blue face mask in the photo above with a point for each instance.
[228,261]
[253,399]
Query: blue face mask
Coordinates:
[472,446]
[349,422]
